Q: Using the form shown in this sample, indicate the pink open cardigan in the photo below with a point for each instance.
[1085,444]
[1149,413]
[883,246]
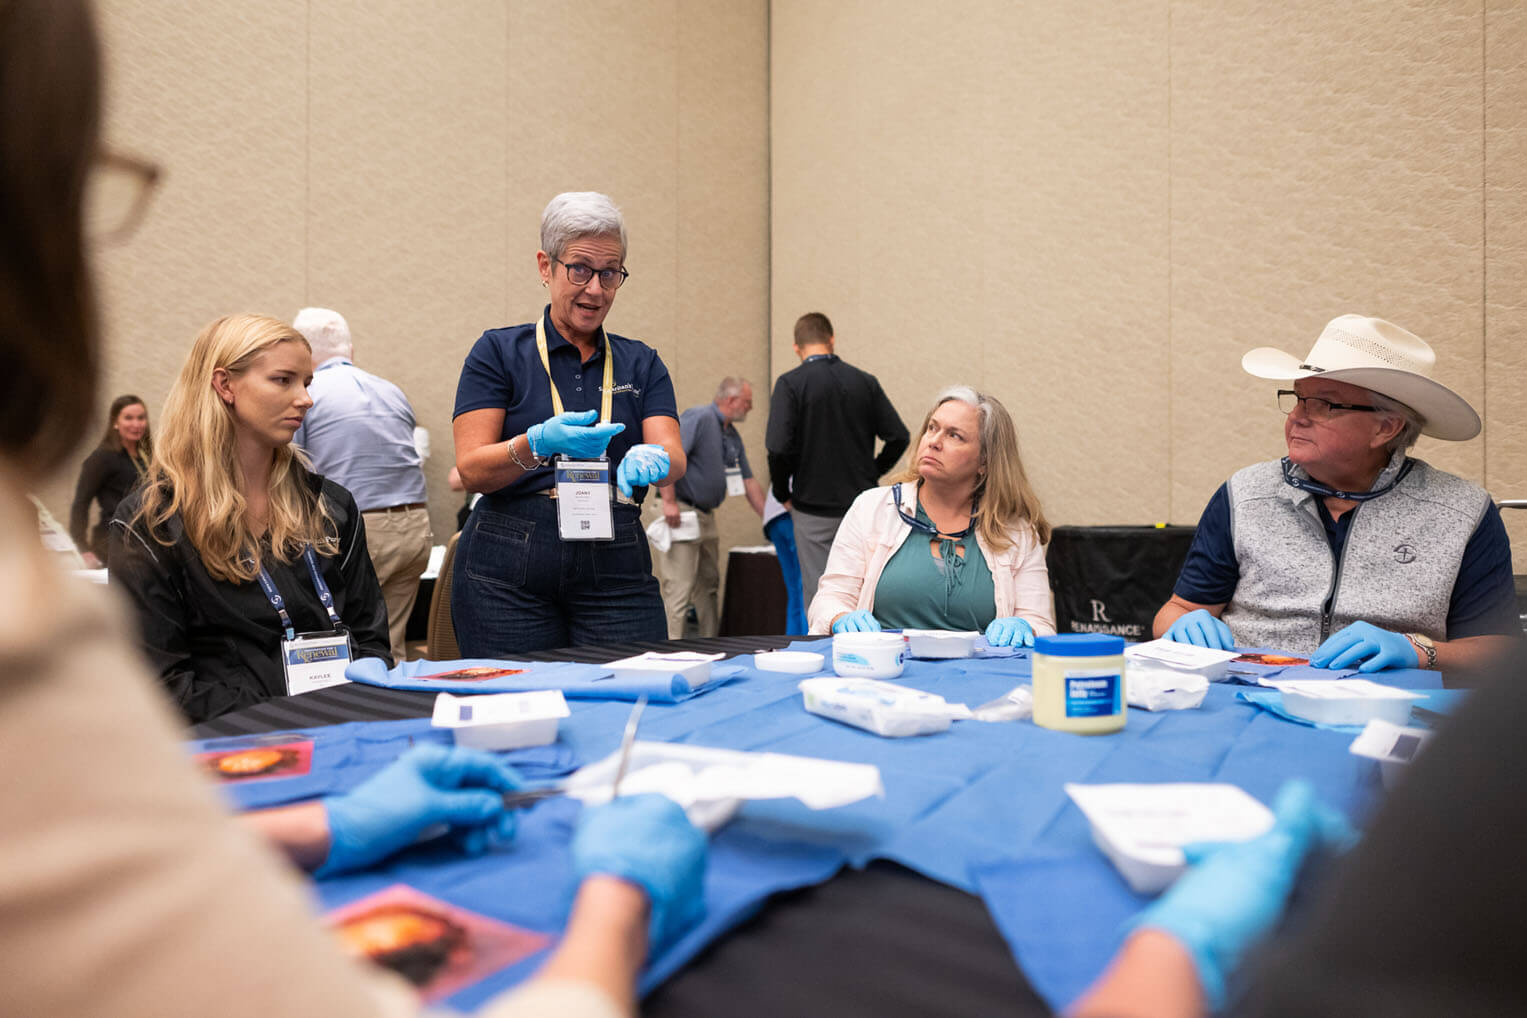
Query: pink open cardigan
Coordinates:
[873,530]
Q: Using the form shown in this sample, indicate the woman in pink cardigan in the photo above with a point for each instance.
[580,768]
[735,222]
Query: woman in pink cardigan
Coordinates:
[975,558]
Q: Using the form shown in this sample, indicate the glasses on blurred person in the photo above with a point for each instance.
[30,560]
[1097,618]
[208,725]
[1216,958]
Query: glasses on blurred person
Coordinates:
[579,274]
[118,195]
[1315,408]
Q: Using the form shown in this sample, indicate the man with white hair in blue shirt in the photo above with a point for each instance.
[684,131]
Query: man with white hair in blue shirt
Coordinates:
[360,433]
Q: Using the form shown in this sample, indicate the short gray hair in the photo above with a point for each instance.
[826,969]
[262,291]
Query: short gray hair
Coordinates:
[1408,434]
[730,386]
[574,214]
[327,333]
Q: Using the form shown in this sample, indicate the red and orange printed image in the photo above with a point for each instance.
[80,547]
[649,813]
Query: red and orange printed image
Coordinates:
[1281,660]
[437,947]
[477,673]
[285,760]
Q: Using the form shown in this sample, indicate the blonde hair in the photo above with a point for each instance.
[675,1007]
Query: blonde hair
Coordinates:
[1003,496]
[194,471]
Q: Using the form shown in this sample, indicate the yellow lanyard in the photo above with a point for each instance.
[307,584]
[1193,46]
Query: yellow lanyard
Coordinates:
[605,400]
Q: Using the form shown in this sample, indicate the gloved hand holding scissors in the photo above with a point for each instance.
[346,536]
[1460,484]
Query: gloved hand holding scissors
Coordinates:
[426,787]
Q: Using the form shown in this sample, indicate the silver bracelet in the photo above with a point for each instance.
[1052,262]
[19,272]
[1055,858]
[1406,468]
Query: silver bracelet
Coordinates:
[536,461]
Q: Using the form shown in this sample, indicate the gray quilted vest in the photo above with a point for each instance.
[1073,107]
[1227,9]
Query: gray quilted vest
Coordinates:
[1396,571]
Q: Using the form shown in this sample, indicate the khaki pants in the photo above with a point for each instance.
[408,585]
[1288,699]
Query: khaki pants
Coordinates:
[399,543]
[690,573]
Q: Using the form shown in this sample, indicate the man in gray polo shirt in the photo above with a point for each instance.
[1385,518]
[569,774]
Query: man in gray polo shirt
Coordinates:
[690,571]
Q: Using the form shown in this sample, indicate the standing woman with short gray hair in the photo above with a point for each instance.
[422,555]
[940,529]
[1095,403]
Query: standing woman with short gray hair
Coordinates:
[554,557]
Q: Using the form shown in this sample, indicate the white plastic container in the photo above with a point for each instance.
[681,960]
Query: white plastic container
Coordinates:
[1393,746]
[1212,664]
[791,662]
[686,664]
[1142,828]
[869,655]
[1345,701]
[1079,683]
[501,720]
[940,643]
[880,707]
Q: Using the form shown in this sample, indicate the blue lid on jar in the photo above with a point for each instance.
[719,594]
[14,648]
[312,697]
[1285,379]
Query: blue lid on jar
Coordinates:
[1079,645]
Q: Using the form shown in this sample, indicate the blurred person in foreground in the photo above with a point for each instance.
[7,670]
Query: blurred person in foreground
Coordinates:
[1426,916]
[1348,549]
[956,543]
[126,888]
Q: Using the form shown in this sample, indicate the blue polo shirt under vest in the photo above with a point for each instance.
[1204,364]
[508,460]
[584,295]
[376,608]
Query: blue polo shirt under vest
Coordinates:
[1483,600]
[503,371]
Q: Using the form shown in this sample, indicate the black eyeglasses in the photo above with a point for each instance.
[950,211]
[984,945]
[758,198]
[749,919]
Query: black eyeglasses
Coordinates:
[579,274]
[1315,408]
[118,195]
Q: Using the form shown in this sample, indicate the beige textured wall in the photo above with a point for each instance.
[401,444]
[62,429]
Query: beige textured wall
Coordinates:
[1092,210]
[390,159]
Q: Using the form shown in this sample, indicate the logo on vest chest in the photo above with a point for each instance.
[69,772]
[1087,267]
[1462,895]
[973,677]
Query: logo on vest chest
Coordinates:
[1404,553]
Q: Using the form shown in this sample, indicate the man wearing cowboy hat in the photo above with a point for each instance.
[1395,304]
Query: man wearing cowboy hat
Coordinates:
[1347,549]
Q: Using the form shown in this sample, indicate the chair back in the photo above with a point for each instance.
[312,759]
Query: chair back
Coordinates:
[442,632]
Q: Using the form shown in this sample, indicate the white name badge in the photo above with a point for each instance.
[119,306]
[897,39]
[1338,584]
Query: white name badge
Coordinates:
[315,661]
[583,500]
[734,485]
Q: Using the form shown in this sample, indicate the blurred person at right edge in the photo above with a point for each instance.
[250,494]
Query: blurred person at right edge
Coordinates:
[1350,550]
[1424,918]
[824,418]
[126,887]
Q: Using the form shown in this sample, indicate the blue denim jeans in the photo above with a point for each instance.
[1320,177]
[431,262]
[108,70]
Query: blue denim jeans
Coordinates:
[781,531]
[517,587]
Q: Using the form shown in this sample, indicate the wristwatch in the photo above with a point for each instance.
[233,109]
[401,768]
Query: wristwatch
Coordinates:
[1426,646]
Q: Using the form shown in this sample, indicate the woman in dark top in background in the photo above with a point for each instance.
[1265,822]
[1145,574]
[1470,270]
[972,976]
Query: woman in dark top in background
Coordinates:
[108,474]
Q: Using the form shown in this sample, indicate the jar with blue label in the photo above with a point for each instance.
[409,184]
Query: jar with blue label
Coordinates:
[1079,683]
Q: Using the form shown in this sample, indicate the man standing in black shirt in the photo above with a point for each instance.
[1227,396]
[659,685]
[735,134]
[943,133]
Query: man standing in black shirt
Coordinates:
[824,418]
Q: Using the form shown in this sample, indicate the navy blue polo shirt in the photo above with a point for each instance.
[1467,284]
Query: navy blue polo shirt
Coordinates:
[1483,600]
[503,371]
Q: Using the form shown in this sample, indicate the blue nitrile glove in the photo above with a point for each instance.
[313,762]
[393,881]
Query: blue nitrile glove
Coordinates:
[428,786]
[1363,641]
[1235,892]
[642,464]
[1201,629]
[1010,632]
[647,840]
[857,621]
[572,434]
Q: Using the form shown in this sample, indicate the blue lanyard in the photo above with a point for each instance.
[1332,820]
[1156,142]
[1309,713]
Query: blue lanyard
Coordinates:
[279,603]
[928,528]
[1314,487]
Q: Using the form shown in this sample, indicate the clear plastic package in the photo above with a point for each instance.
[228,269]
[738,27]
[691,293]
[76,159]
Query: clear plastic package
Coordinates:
[880,707]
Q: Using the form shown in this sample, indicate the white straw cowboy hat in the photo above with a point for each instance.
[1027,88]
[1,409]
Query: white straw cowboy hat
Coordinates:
[1382,357]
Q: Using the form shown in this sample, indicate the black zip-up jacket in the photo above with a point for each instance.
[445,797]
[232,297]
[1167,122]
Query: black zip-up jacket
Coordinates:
[824,418]
[217,645]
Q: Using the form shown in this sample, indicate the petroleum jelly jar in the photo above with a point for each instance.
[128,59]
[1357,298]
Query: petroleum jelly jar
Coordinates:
[1079,683]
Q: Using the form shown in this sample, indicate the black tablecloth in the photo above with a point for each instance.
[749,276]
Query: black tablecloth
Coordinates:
[883,941]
